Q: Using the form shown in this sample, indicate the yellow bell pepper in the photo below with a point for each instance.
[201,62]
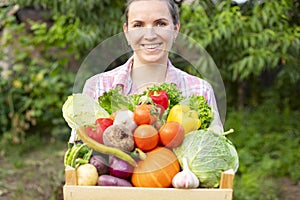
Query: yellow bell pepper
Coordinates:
[185,116]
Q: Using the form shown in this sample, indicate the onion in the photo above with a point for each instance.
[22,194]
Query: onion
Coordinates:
[100,163]
[119,168]
[125,117]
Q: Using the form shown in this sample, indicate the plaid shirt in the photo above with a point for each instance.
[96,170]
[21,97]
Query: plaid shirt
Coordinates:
[120,76]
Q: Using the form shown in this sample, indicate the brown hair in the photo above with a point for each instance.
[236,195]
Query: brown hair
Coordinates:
[172,8]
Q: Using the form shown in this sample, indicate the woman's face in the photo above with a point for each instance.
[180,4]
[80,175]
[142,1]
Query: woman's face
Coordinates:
[150,31]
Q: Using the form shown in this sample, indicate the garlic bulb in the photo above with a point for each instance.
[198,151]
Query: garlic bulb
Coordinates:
[186,178]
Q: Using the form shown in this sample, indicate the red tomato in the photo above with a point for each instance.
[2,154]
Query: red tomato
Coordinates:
[145,137]
[142,114]
[171,134]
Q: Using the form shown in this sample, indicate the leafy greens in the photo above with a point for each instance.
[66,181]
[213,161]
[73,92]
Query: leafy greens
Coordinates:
[114,100]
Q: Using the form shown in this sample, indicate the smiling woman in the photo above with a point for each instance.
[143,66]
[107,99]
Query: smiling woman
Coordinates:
[151,28]
[150,31]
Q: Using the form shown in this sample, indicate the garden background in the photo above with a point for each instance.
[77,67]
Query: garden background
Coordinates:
[255,45]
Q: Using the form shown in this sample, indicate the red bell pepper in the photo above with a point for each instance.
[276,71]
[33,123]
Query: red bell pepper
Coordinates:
[96,130]
[160,97]
[104,122]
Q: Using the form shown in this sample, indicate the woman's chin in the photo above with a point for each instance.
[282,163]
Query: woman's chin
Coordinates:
[154,57]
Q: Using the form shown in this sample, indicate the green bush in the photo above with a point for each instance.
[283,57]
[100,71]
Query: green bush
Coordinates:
[37,81]
[98,19]
[267,140]
[256,45]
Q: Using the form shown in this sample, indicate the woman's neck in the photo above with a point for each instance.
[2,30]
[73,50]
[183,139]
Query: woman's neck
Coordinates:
[145,75]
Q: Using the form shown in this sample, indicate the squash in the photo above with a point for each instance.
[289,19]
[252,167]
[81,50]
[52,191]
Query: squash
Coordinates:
[157,170]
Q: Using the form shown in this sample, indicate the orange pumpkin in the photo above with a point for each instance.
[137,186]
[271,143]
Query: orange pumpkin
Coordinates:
[157,170]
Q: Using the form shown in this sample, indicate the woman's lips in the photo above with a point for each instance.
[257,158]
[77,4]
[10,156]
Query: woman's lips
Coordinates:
[151,47]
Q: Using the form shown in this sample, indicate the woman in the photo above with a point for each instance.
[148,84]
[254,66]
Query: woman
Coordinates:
[151,27]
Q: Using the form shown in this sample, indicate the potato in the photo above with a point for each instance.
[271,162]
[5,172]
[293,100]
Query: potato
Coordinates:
[87,175]
[108,180]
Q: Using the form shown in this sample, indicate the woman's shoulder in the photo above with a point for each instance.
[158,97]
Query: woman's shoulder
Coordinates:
[102,82]
[111,73]
[190,79]
[189,83]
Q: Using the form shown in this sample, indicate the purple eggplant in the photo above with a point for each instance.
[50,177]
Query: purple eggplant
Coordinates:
[119,168]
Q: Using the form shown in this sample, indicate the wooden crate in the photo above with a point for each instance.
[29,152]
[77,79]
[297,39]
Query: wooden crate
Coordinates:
[74,192]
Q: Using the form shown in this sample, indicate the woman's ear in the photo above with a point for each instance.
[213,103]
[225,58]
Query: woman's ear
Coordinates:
[125,29]
[176,30]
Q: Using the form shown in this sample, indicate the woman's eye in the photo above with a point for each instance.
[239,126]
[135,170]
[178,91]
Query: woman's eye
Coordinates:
[161,24]
[137,25]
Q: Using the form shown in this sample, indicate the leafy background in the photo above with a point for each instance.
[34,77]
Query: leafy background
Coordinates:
[255,46]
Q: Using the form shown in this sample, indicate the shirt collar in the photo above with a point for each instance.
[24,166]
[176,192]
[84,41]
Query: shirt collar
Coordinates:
[124,76]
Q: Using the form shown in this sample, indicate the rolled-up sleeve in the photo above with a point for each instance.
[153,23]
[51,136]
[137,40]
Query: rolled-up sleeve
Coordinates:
[90,87]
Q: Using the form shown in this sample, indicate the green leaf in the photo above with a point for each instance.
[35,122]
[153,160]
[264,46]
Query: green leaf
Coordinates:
[18,67]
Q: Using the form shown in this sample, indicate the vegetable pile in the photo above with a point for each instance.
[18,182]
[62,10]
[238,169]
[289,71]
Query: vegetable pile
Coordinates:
[155,139]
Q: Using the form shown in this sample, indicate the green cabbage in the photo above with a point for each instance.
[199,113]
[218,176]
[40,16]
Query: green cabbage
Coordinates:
[80,110]
[208,155]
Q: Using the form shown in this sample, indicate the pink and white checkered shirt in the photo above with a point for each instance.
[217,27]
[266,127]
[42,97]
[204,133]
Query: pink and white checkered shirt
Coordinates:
[120,76]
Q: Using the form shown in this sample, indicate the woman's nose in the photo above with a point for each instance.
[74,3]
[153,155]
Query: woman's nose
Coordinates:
[150,33]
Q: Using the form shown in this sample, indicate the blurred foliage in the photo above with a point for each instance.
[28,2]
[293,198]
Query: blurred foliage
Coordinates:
[37,81]
[98,19]
[267,140]
[255,45]
[38,54]
[247,42]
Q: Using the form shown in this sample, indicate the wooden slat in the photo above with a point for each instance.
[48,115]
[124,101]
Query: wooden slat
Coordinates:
[74,192]
[70,176]
[134,193]
[227,179]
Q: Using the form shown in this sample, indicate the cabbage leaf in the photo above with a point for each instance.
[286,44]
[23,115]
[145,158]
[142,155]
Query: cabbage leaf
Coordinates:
[208,155]
[80,110]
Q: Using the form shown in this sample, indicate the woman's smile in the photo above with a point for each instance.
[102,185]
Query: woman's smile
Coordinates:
[152,47]
[150,31]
